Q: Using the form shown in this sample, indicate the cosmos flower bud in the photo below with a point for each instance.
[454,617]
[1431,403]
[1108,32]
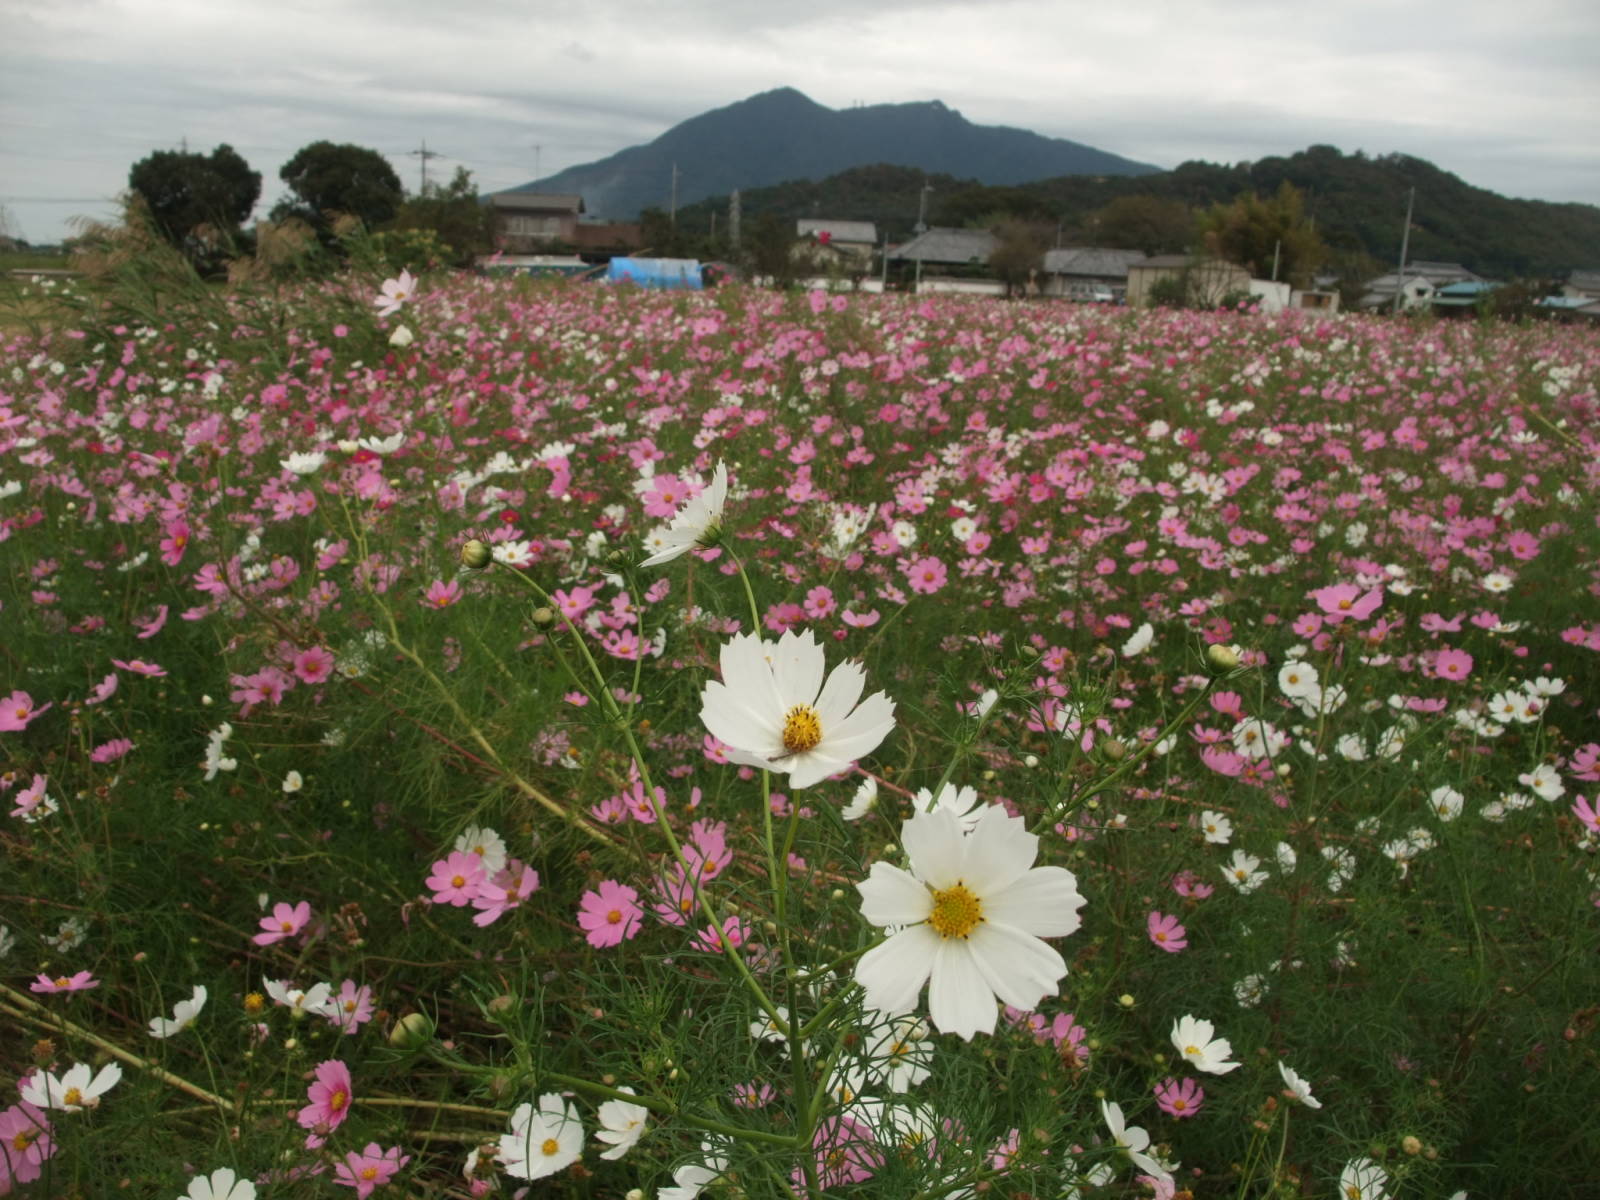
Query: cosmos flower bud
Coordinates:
[543,616]
[1222,658]
[411,1031]
[475,556]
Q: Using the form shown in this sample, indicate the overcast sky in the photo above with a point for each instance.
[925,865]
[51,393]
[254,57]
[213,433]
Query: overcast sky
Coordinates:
[1504,94]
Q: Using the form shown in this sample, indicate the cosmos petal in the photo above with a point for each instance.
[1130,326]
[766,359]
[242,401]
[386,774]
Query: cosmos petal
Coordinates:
[894,972]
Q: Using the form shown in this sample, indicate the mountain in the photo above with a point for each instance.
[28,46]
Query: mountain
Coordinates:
[783,134]
[1357,202]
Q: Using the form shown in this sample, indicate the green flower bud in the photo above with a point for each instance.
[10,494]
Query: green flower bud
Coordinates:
[411,1031]
[475,556]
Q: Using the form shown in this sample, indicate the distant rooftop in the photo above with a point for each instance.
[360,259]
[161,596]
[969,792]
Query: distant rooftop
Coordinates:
[545,202]
[839,231]
[1090,260]
[949,246]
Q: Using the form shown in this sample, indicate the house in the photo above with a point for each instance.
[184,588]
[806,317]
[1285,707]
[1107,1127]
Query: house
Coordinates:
[1453,299]
[1089,273]
[1570,308]
[1416,286]
[1207,280]
[1582,283]
[858,239]
[528,221]
[951,248]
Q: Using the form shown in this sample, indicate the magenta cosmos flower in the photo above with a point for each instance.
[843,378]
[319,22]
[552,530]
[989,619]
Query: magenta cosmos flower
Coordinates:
[370,1169]
[1180,1098]
[329,1096]
[610,915]
[286,921]
[1166,932]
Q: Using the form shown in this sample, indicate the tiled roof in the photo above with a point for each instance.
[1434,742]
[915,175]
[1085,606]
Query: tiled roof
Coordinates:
[1092,261]
[839,231]
[949,246]
[537,202]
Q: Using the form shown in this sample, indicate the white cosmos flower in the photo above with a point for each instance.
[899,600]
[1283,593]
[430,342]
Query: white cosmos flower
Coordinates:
[513,554]
[183,1014]
[402,336]
[304,462]
[74,1091]
[1193,1039]
[542,1140]
[899,1050]
[774,710]
[1300,1089]
[1218,830]
[1131,1138]
[972,911]
[963,802]
[221,1184]
[1363,1179]
[486,844]
[382,446]
[623,1125]
[863,802]
[697,523]
[1242,871]
[1446,802]
[1140,641]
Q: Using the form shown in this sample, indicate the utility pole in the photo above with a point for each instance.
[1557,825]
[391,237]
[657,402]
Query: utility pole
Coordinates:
[425,154]
[1405,244]
[735,212]
[922,210]
[1276,247]
[673,211]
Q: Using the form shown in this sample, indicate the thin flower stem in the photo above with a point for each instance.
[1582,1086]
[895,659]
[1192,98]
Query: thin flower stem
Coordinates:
[667,1108]
[30,1011]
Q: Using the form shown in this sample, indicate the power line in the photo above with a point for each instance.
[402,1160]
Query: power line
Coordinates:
[425,154]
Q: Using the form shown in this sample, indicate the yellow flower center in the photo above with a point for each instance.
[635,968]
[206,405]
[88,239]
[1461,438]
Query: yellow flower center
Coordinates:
[802,729]
[73,1096]
[369,1172]
[62,981]
[956,912]
[1180,1105]
[337,1101]
[254,1002]
[550,1146]
[458,881]
[1191,1051]
[614,917]
[24,1139]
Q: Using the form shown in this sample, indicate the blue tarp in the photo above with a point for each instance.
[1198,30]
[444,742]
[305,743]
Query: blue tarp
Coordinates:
[681,273]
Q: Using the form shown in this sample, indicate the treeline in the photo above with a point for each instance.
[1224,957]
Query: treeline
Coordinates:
[1355,204]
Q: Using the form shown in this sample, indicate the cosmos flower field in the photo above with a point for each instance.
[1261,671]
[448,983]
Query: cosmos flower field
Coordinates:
[1049,751]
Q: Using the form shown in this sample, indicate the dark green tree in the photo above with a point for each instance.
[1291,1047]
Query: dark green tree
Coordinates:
[1252,231]
[1154,224]
[453,213]
[197,202]
[1018,257]
[329,179]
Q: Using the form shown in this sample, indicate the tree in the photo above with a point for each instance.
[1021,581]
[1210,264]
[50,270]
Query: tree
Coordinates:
[328,179]
[196,201]
[1154,224]
[1019,254]
[1253,232]
[454,214]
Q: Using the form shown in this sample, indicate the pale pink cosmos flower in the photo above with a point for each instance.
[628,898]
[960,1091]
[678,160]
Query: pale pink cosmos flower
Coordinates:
[1345,600]
[504,890]
[610,915]
[313,664]
[31,798]
[926,575]
[286,921]
[25,1144]
[846,1152]
[1166,933]
[17,710]
[80,982]
[138,666]
[1588,813]
[103,690]
[1452,664]
[456,879]
[369,1170]
[110,751]
[393,293]
[441,594]
[351,1008]
[329,1095]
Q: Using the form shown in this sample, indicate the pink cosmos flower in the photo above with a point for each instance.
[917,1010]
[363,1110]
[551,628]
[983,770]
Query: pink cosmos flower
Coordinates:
[286,921]
[456,879]
[25,1144]
[351,1008]
[329,1096]
[846,1152]
[103,690]
[369,1170]
[1452,664]
[139,667]
[80,982]
[441,594]
[1187,883]
[29,799]
[610,915]
[17,709]
[503,891]
[675,897]
[392,296]
[707,851]
[1344,600]
[926,576]
[174,543]
[733,931]
[148,629]
[313,664]
[1179,1099]
[859,620]
[1588,813]
[820,604]
[1166,932]
[110,751]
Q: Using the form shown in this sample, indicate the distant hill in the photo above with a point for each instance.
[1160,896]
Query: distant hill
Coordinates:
[784,134]
[1358,204]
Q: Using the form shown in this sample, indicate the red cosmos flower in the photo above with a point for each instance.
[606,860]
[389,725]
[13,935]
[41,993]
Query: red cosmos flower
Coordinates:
[510,516]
